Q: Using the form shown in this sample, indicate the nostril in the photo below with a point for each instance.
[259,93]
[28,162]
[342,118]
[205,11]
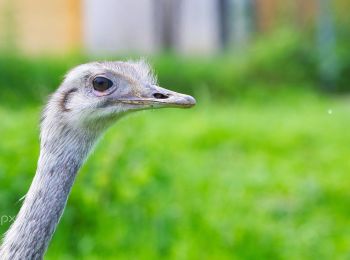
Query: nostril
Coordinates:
[160,96]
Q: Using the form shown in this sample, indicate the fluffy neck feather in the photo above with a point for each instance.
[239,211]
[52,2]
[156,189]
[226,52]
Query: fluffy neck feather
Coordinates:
[63,150]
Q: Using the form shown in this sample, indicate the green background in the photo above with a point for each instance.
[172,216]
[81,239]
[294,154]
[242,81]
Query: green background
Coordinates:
[257,170]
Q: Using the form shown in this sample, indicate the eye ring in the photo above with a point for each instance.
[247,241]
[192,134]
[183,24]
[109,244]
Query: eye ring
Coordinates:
[101,84]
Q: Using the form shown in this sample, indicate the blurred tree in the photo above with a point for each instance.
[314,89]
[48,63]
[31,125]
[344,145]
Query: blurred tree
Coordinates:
[224,15]
[167,16]
[326,39]
[236,18]
[241,24]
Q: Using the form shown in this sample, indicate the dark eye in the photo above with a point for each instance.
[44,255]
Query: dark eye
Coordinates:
[101,84]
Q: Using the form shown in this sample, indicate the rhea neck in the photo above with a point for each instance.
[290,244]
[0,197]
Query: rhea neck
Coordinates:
[63,150]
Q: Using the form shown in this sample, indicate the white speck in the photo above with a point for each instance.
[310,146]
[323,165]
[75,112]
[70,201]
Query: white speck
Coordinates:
[330,111]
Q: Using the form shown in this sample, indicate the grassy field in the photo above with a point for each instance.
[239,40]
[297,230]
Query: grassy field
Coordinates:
[246,180]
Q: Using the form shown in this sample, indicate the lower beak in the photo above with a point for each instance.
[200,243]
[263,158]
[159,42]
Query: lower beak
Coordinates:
[158,97]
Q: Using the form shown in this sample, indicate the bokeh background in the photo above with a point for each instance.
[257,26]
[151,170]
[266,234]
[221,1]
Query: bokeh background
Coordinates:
[259,169]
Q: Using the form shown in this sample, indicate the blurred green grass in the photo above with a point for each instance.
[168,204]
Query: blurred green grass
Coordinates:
[252,179]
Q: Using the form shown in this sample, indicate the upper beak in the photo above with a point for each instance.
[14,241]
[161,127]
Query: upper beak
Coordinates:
[167,98]
[158,97]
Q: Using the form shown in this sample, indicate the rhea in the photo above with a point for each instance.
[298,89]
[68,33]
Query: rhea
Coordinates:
[91,97]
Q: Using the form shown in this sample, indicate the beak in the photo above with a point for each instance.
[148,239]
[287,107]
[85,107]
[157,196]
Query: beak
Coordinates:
[157,97]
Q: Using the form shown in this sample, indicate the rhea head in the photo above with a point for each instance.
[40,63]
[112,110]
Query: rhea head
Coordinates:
[91,98]
[94,95]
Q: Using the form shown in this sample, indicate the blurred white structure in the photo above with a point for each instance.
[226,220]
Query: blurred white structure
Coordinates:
[198,30]
[119,26]
[146,26]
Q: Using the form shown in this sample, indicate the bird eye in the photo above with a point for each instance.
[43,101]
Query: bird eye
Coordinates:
[101,84]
